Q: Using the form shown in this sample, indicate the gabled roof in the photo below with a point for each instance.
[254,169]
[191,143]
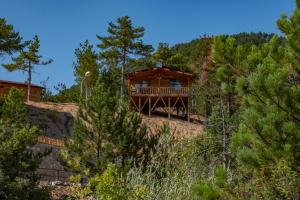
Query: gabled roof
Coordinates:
[18,83]
[154,70]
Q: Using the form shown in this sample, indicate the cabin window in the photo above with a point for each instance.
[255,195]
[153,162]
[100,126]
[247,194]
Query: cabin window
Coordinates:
[144,83]
[174,83]
[140,84]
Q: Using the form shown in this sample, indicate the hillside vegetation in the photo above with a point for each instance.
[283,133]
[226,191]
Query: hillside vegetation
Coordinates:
[248,89]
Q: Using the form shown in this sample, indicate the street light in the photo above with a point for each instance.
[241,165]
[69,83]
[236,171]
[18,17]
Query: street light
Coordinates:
[87,74]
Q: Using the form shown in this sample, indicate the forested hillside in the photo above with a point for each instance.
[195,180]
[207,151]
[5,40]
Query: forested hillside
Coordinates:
[198,51]
[193,56]
[247,93]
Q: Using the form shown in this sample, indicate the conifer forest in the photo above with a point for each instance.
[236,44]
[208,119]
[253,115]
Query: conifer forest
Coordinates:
[244,95]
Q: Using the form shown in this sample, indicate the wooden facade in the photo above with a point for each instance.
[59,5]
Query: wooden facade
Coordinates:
[36,92]
[160,87]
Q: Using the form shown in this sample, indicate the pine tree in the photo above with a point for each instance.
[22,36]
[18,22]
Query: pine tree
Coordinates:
[86,60]
[27,60]
[106,132]
[267,143]
[169,58]
[10,41]
[162,54]
[18,162]
[12,110]
[228,59]
[234,65]
[124,45]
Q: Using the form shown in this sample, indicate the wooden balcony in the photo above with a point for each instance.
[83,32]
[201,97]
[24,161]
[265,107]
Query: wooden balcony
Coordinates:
[160,91]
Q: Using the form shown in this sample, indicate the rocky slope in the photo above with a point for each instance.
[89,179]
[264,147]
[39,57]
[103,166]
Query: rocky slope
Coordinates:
[56,122]
[57,119]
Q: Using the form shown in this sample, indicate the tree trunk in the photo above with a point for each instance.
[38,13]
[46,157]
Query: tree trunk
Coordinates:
[123,70]
[226,137]
[29,82]
[86,94]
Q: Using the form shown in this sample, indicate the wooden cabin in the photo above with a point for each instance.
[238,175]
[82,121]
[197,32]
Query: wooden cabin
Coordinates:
[36,91]
[160,87]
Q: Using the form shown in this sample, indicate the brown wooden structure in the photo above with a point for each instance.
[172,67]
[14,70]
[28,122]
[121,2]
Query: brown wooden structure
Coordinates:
[36,91]
[161,87]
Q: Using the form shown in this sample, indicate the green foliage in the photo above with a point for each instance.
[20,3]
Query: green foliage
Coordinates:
[270,120]
[64,94]
[229,59]
[175,167]
[262,82]
[10,41]
[106,132]
[205,191]
[162,54]
[168,58]
[217,187]
[290,27]
[110,185]
[17,159]
[195,51]
[123,46]
[265,81]
[253,39]
[13,110]
[86,61]
[198,51]
[27,59]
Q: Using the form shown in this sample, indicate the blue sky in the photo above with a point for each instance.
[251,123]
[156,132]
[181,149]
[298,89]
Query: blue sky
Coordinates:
[63,24]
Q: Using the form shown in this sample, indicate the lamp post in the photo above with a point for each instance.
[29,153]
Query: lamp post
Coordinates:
[87,74]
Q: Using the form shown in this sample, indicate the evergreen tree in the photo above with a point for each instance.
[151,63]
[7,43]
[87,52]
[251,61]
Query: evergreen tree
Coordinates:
[124,45]
[234,66]
[268,134]
[266,145]
[65,94]
[228,59]
[106,132]
[18,162]
[86,60]
[168,58]
[162,54]
[10,41]
[27,60]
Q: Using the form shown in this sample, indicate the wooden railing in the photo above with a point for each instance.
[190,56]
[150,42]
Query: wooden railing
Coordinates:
[50,174]
[160,91]
[50,141]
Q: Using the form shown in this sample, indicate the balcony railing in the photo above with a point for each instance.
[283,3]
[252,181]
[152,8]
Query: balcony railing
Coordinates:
[160,91]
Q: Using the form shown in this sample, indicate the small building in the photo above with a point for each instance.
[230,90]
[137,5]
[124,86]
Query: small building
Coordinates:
[36,91]
[160,87]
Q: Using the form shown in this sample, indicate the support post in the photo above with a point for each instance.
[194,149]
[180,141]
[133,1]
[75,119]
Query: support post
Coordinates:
[150,108]
[169,107]
[188,101]
[188,111]
[139,104]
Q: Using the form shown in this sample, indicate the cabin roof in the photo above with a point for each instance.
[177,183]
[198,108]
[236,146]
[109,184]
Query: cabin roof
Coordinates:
[148,72]
[18,83]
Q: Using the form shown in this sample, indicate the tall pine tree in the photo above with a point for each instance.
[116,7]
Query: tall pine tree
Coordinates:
[106,132]
[86,60]
[27,60]
[10,40]
[267,143]
[124,45]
